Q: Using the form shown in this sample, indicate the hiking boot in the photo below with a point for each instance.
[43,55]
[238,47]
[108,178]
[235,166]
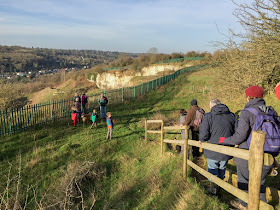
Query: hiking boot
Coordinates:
[236,204]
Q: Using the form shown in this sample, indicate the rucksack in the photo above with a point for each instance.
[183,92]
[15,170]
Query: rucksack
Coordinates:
[268,123]
[199,114]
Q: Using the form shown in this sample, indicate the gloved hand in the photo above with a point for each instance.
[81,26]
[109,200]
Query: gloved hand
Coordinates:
[222,140]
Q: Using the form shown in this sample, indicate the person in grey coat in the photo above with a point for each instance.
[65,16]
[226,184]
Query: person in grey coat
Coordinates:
[254,96]
[183,114]
[217,123]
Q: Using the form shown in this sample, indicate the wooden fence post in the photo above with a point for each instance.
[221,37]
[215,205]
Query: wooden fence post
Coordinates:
[162,137]
[256,156]
[185,166]
[146,134]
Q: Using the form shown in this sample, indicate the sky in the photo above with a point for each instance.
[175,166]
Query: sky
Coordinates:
[117,25]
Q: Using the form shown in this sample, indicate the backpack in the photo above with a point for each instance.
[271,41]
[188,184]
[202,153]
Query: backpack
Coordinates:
[268,123]
[199,114]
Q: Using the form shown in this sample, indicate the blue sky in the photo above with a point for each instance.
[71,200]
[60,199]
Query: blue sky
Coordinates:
[117,25]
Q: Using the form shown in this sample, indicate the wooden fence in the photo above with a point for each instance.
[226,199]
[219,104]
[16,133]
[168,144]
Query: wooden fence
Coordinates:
[14,120]
[255,155]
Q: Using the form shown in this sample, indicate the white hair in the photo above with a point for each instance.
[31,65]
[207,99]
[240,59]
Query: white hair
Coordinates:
[214,102]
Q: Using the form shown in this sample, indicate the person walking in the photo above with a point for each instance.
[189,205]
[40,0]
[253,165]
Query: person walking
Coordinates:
[194,119]
[219,122]
[84,102]
[103,101]
[255,105]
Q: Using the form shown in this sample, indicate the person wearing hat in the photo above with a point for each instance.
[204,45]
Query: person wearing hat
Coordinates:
[254,97]
[190,118]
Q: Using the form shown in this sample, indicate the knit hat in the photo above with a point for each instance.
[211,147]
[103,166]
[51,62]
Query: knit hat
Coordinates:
[193,102]
[254,91]
[277,90]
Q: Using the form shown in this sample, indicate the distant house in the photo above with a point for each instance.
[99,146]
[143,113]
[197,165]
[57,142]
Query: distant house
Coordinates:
[20,74]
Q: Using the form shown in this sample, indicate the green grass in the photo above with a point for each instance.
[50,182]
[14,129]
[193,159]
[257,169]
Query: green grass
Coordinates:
[123,173]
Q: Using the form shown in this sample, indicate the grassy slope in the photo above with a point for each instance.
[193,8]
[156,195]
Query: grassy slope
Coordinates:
[129,172]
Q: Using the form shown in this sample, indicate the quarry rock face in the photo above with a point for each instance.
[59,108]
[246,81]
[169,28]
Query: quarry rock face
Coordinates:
[155,69]
[112,81]
[119,79]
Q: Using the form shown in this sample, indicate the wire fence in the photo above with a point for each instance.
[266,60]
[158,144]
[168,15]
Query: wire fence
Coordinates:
[15,120]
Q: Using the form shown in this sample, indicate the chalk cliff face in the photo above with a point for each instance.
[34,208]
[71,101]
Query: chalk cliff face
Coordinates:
[155,69]
[118,79]
[113,81]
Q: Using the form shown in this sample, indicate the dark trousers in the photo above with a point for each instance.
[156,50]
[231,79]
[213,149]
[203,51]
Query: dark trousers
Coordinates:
[84,108]
[194,151]
[243,177]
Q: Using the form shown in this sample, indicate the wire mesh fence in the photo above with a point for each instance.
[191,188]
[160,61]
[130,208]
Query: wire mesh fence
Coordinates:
[14,120]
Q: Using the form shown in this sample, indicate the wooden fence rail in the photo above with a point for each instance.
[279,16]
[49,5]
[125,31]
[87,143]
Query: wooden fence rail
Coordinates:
[255,155]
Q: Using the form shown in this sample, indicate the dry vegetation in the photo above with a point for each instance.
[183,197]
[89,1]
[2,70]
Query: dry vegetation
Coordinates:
[256,60]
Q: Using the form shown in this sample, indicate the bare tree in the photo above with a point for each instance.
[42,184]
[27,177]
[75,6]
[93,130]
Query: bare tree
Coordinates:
[153,50]
[261,18]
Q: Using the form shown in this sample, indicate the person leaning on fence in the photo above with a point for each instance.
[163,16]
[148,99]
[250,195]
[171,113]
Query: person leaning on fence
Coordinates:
[241,137]
[84,102]
[191,117]
[219,122]
[110,126]
[103,101]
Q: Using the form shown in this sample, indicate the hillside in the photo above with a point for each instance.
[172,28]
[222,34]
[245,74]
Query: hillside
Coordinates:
[77,167]
[18,59]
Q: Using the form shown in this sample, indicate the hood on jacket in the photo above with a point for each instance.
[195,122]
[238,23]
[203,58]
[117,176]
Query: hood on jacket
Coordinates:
[220,109]
[255,103]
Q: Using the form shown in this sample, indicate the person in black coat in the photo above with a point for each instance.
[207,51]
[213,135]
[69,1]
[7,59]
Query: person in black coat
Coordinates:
[219,122]
[254,96]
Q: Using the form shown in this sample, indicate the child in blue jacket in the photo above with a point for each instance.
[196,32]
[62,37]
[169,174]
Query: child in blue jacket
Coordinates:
[110,125]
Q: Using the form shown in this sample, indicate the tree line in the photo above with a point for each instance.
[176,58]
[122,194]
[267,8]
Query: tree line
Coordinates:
[21,59]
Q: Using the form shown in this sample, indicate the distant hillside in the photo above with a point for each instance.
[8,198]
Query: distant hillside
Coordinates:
[22,59]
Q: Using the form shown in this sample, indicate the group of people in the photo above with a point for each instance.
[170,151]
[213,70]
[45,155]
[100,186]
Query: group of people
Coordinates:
[221,126]
[79,111]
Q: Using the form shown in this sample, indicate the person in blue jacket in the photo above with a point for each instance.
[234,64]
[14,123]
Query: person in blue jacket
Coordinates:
[110,125]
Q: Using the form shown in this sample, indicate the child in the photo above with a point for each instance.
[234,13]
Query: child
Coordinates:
[74,116]
[94,118]
[110,125]
[183,114]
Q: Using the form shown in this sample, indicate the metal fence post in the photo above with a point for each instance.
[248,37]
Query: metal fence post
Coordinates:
[10,123]
[51,107]
[122,96]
